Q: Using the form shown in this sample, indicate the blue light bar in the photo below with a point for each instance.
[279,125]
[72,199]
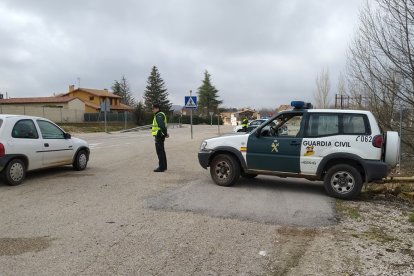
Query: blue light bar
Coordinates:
[297,104]
[301,105]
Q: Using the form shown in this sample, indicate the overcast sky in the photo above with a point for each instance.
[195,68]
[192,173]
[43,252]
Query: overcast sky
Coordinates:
[260,53]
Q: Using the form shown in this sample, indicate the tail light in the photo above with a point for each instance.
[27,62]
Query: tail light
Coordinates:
[2,150]
[378,141]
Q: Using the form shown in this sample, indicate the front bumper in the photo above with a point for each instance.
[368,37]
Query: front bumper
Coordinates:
[204,157]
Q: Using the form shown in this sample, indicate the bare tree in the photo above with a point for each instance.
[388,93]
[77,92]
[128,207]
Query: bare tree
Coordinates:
[381,63]
[342,85]
[323,86]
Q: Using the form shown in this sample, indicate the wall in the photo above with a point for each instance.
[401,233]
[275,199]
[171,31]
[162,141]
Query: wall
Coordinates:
[57,115]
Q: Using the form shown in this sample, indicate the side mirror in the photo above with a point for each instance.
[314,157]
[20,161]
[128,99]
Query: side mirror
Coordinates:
[257,132]
[67,135]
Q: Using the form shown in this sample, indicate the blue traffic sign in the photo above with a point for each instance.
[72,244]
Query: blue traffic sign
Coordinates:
[190,101]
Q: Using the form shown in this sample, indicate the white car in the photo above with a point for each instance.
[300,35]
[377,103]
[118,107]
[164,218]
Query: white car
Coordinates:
[252,125]
[29,143]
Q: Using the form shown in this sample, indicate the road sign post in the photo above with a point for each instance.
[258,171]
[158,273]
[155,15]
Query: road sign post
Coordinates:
[218,123]
[105,107]
[190,102]
[211,117]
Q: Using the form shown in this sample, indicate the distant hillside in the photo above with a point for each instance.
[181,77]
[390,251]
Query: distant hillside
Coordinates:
[177,107]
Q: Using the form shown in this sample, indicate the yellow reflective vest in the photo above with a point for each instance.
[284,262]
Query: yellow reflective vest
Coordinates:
[245,123]
[155,127]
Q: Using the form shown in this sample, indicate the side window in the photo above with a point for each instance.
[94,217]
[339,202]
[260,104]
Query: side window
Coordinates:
[354,124]
[25,129]
[286,125]
[49,130]
[322,125]
[291,127]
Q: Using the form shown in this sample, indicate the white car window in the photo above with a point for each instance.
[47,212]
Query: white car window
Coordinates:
[50,131]
[25,129]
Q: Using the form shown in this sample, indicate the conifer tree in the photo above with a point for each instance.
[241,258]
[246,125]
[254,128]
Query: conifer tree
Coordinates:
[207,96]
[122,89]
[156,92]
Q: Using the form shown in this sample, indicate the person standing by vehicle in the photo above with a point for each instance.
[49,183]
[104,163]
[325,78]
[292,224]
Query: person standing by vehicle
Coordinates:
[245,124]
[159,131]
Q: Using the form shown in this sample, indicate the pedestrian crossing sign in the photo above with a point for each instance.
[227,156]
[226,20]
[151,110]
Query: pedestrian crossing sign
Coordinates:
[190,101]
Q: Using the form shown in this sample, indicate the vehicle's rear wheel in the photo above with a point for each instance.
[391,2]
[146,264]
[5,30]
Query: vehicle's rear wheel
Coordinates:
[81,161]
[225,170]
[248,175]
[343,181]
[15,172]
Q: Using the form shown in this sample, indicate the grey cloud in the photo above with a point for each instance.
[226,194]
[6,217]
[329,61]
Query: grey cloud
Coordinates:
[259,53]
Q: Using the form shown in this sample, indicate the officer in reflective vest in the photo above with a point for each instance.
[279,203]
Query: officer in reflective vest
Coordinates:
[245,124]
[159,131]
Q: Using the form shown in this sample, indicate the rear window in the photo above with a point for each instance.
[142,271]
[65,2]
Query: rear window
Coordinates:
[324,124]
[328,124]
[355,124]
[25,129]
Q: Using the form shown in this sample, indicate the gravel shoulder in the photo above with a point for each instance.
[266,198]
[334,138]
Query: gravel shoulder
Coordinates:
[373,237]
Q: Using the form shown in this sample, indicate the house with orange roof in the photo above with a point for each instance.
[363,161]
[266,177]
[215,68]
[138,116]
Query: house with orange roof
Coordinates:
[93,98]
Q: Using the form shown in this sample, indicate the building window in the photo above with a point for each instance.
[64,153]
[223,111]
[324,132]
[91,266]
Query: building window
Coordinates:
[91,98]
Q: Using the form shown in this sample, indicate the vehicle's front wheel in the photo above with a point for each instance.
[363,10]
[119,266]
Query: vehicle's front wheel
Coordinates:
[225,170]
[81,160]
[343,181]
[15,172]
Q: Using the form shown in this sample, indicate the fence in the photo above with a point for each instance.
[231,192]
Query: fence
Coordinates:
[59,115]
[110,117]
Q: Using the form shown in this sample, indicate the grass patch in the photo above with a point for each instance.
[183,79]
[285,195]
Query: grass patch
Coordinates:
[411,217]
[348,211]
[94,127]
[379,235]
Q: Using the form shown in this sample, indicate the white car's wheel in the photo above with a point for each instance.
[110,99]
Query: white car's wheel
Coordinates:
[392,148]
[15,172]
[81,161]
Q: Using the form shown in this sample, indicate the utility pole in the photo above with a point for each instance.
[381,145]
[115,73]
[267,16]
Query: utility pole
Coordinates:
[191,117]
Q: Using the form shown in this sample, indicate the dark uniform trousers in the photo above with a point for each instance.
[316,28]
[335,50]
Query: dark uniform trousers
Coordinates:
[162,157]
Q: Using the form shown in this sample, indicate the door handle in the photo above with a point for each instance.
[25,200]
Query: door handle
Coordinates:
[295,143]
[46,145]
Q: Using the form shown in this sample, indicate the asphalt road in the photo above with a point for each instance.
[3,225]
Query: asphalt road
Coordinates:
[118,217]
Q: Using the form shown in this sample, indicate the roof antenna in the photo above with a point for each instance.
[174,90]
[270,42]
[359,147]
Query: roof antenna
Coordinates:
[78,82]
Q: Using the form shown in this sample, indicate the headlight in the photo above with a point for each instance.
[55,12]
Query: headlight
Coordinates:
[203,145]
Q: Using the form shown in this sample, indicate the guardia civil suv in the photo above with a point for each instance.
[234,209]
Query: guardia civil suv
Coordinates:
[29,143]
[343,148]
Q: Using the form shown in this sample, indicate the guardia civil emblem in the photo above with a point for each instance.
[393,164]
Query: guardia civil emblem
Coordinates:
[275,146]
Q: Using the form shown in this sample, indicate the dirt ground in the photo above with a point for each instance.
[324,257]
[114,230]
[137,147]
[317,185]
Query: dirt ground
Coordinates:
[374,236]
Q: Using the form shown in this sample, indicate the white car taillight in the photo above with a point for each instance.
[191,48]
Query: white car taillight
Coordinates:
[2,150]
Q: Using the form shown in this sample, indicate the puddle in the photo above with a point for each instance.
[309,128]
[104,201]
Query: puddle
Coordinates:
[17,246]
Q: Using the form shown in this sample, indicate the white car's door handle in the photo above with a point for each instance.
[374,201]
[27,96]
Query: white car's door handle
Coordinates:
[46,145]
